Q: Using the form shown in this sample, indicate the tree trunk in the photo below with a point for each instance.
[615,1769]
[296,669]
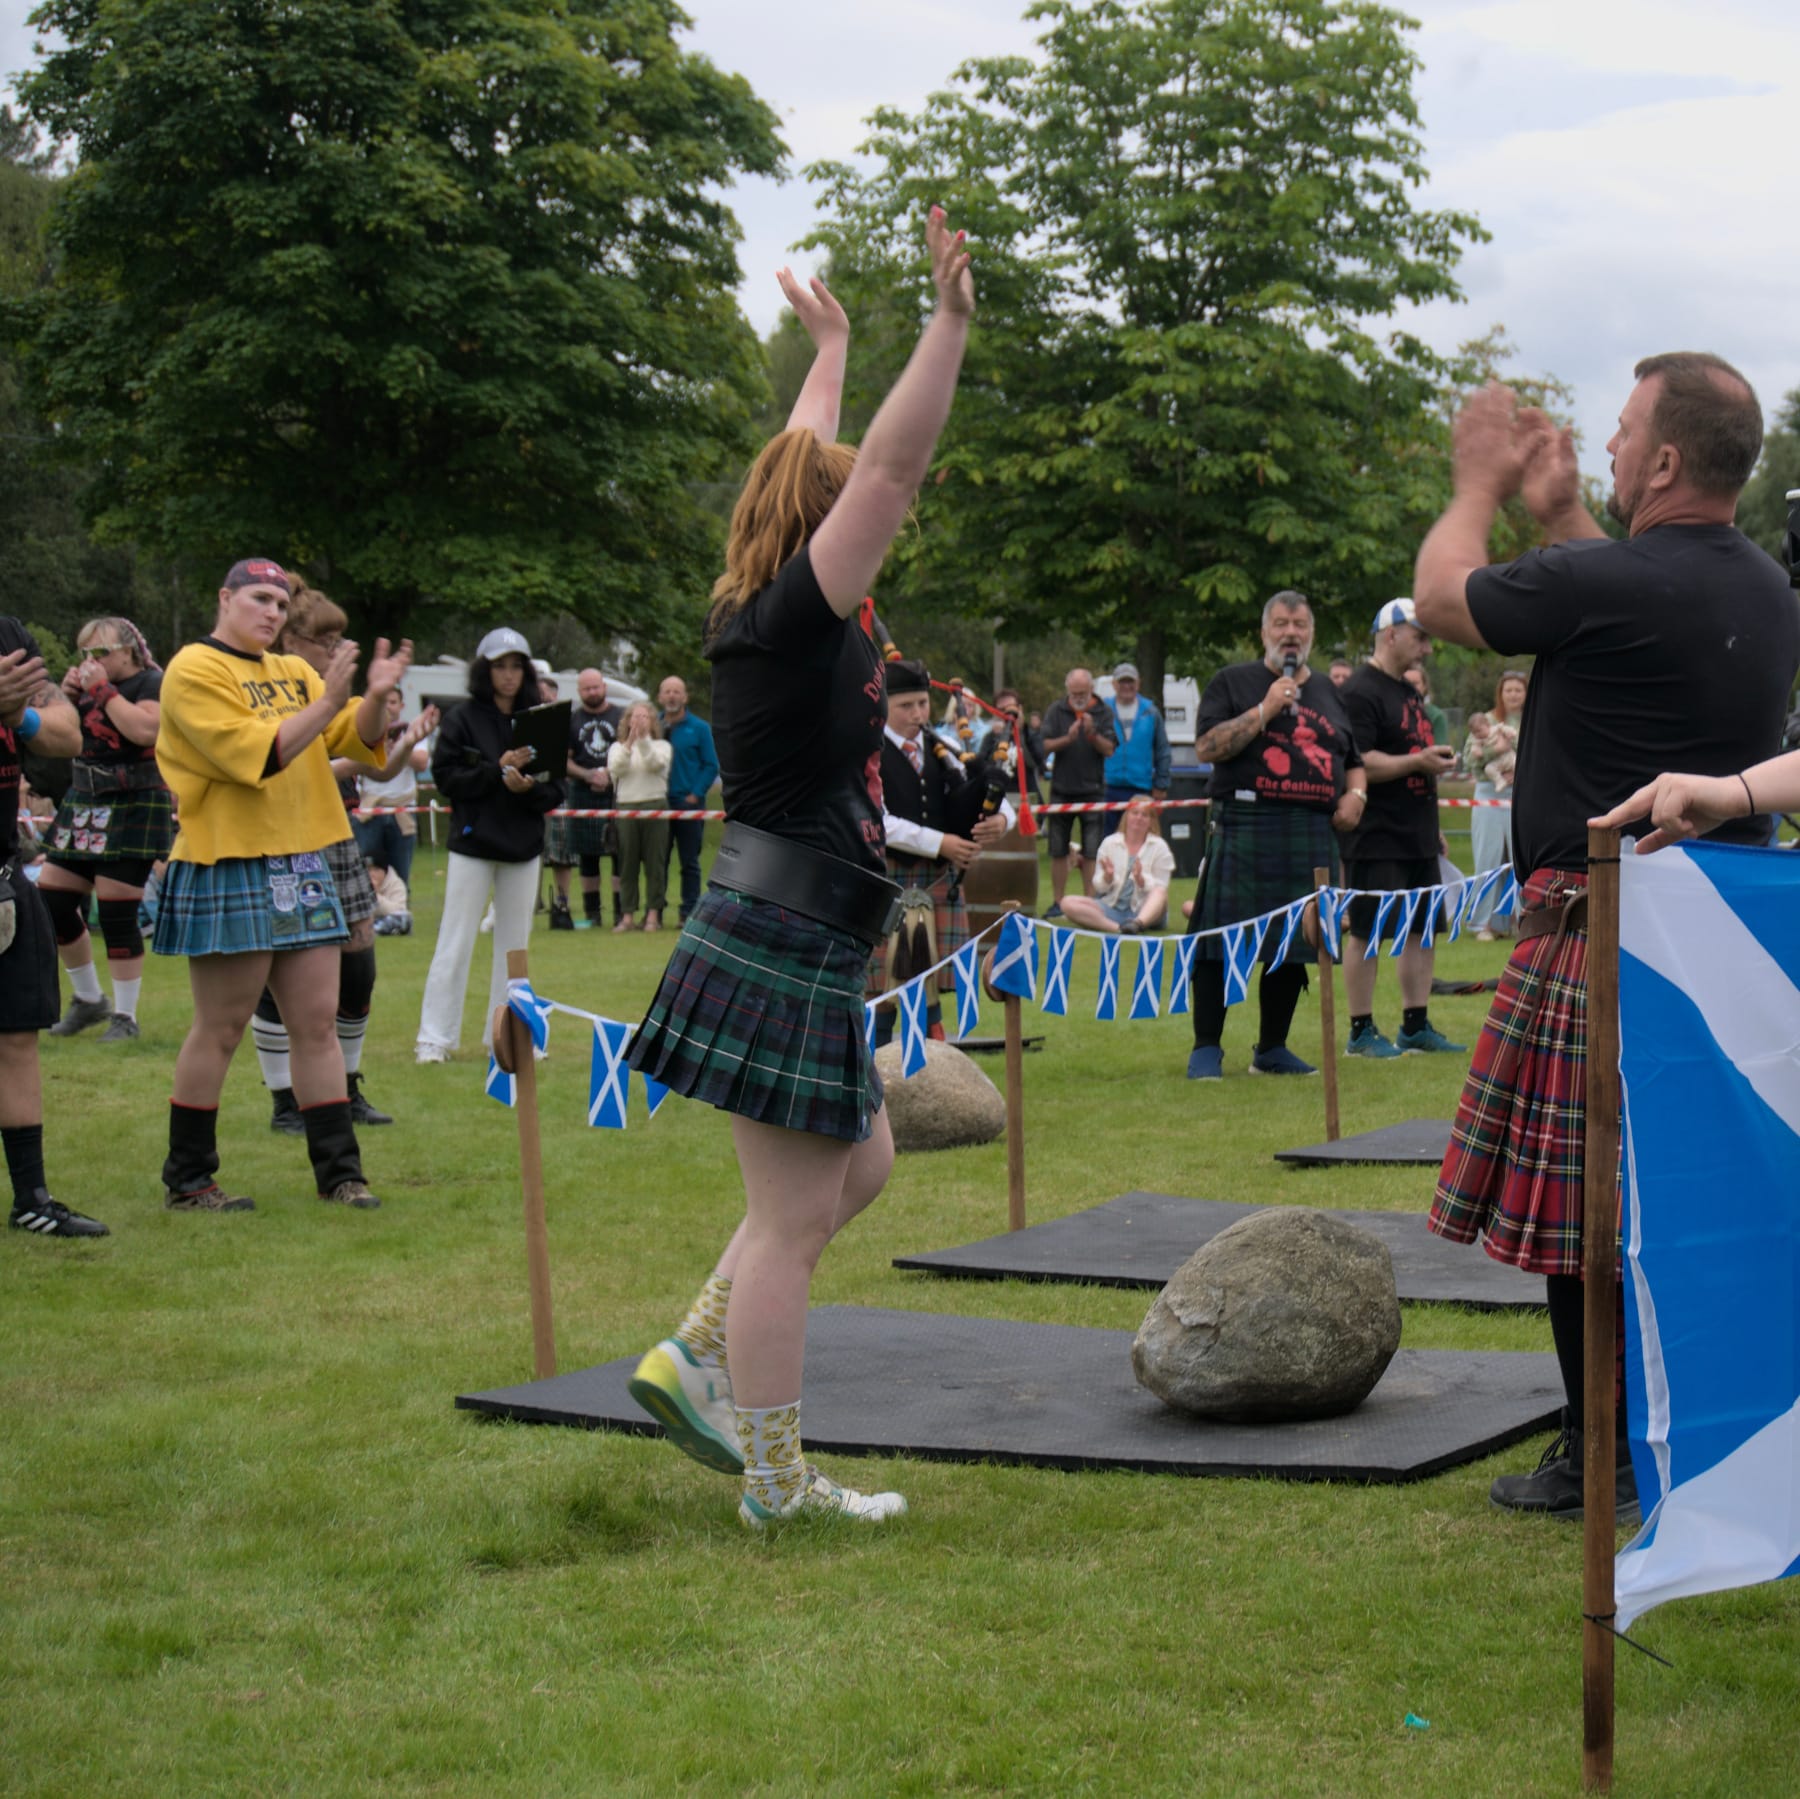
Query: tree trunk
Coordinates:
[1150,657]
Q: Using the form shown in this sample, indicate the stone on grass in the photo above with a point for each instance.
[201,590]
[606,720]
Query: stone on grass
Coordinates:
[948,1104]
[1290,1313]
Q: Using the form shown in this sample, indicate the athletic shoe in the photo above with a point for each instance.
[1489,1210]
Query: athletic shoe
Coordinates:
[82,1013]
[822,1496]
[361,1112]
[1055,911]
[286,1115]
[1206,1063]
[210,1198]
[122,1029]
[352,1193]
[394,924]
[1279,1060]
[47,1217]
[1429,1042]
[560,919]
[1369,1042]
[424,1053]
[691,1403]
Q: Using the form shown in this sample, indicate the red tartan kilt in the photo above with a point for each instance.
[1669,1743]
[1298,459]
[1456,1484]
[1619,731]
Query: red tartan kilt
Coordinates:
[950,919]
[1513,1172]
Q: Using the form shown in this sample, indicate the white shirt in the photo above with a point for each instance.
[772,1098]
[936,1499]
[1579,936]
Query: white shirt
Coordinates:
[904,834]
[1156,868]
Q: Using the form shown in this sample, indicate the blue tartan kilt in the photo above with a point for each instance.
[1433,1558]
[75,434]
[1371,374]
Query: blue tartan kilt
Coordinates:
[760,1012]
[248,905]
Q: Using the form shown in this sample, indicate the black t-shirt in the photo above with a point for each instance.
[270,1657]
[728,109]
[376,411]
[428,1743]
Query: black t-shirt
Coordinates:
[1400,820]
[1671,650]
[101,739]
[592,734]
[799,704]
[1079,771]
[1299,758]
[13,636]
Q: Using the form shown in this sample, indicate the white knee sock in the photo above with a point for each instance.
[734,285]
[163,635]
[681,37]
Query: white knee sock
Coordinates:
[774,1465]
[272,1054]
[85,981]
[125,997]
[350,1033]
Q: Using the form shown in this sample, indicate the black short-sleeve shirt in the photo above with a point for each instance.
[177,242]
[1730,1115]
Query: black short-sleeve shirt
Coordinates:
[1079,772]
[101,739]
[1299,758]
[13,636]
[1400,819]
[1674,649]
[799,703]
[592,734]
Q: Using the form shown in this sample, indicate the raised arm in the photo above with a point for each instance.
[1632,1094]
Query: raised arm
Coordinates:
[823,320]
[848,549]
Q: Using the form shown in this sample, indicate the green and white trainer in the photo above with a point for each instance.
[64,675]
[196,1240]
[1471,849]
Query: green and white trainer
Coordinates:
[822,1496]
[691,1403]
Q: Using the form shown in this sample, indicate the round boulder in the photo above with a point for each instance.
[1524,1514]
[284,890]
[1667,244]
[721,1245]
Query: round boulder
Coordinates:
[948,1104]
[1290,1313]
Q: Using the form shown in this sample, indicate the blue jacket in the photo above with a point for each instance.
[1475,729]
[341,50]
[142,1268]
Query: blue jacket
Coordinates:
[1142,762]
[695,765]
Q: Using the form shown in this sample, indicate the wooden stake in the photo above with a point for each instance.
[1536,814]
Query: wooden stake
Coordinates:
[1327,1012]
[531,1175]
[1599,1267]
[1015,1115]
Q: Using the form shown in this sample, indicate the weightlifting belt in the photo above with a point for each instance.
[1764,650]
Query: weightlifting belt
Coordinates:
[807,881]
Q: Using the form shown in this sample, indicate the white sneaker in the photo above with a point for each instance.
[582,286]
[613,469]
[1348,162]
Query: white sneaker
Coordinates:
[430,1052]
[691,1403]
[821,1494]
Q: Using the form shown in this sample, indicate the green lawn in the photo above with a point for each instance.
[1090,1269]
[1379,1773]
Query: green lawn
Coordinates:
[247,1546]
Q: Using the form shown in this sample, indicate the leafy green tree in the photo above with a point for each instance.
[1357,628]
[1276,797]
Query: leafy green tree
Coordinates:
[1188,215]
[1762,508]
[433,297]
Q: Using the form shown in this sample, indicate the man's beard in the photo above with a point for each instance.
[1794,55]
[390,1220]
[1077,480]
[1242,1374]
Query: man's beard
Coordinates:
[1620,508]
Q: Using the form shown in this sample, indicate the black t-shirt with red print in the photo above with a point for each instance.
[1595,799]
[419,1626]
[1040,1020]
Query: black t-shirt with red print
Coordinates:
[799,706]
[101,740]
[1400,822]
[1299,758]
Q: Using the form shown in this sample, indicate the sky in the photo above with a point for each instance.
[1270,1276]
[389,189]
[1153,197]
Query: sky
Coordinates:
[1632,162]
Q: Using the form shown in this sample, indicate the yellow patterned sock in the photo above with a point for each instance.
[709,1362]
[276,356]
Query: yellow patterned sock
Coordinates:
[703,1329]
[774,1467]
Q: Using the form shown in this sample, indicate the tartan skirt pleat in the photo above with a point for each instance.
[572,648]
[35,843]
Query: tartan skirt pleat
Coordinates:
[137,826]
[1513,1172]
[350,875]
[950,917]
[760,1012]
[1259,857]
[225,908]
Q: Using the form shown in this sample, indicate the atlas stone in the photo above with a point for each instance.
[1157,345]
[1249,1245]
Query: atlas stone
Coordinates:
[1288,1314]
[948,1104]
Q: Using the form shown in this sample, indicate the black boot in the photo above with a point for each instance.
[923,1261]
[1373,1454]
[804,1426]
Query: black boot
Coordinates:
[1555,1488]
[361,1112]
[336,1160]
[286,1115]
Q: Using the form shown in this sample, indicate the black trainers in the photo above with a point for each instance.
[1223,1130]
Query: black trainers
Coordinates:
[361,1112]
[210,1198]
[47,1217]
[82,1013]
[286,1116]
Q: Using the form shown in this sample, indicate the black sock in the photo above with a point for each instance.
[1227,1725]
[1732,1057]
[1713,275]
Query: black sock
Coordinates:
[24,1161]
[1414,1019]
[1207,1003]
[1361,1021]
[590,906]
[331,1144]
[1568,1331]
[1277,994]
[193,1147]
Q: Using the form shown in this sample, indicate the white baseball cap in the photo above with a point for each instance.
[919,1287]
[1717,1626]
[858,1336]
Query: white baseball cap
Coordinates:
[503,640]
[1396,612]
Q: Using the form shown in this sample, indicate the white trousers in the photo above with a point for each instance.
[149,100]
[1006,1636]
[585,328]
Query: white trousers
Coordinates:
[468,884]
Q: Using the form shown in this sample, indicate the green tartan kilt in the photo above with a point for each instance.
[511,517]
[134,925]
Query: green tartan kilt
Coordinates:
[1259,857]
[122,827]
[950,917]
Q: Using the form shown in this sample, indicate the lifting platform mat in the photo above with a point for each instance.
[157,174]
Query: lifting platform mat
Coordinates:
[1419,1142]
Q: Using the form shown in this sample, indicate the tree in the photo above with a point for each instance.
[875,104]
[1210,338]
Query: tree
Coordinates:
[1762,508]
[433,297]
[1187,213]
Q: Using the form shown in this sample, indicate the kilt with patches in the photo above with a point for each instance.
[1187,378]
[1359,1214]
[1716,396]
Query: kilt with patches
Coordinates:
[950,915]
[350,874]
[1514,1167]
[760,1012]
[123,827]
[245,905]
[1259,856]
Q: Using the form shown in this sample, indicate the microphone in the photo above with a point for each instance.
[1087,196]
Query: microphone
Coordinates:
[1289,662]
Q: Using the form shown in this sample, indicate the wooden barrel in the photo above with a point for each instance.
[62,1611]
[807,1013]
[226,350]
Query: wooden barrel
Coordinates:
[1007,870]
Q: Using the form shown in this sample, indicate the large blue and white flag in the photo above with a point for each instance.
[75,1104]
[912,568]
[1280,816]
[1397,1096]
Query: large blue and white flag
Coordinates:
[1709,1004]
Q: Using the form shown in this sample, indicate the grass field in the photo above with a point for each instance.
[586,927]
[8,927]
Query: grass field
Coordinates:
[248,1547]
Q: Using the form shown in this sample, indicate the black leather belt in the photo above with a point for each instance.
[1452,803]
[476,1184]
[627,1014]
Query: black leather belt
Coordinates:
[821,887]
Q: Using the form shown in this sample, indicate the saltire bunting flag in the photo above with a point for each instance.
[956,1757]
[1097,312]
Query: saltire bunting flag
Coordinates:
[1330,916]
[500,1085]
[534,1011]
[654,1094]
[1242,946]
[1434,904]
[607,1076]
[1709,1002]
[1384,904]
[1509,896]
[869,1029]
[1480,889]
[912,1028]
[1146,990]
[1409,910]
[1289,925]
[1108,1003]
[1182,974]
[1057,961]
[1015,957]
[965,966]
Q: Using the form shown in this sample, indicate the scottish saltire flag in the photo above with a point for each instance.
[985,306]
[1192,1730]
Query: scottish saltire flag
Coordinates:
[500,1085]
[1015,957]
[1709,1004]
[654,1095]
[1146,990]
[1242,947]
[1409,910]
[1108,1003]
[965,966]
[1057,961]
[1290,923]
[607,1075]
[869,1029]
[1182,976]
[912,1028]
[535,1012]
[1331,918]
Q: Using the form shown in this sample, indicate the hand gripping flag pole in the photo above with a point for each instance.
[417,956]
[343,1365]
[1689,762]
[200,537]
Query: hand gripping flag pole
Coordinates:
[517,1025]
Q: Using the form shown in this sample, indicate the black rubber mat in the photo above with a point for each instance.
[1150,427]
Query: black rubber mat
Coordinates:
[1055,1396]
[1140,1239]
[1418,1142]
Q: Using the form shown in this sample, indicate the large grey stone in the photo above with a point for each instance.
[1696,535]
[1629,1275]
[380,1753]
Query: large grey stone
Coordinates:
[949,1103]
[1289,1313]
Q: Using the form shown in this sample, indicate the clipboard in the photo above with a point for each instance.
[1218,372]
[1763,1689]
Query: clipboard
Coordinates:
[544,730]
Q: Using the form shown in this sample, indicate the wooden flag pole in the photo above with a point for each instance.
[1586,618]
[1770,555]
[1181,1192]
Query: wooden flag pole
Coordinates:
[512,1050]
[1015,1115]
[1600,1270]
[1327,1010]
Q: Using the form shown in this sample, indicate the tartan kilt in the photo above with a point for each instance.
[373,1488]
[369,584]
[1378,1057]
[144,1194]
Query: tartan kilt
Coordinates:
[350,875]
[950,917]
[760,1012]
[1259,857]
[224,908]
[557,850]
[138,826]
[1513,1172]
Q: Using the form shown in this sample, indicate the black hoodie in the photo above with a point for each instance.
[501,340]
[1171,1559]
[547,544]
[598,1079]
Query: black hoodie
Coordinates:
[486,818]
